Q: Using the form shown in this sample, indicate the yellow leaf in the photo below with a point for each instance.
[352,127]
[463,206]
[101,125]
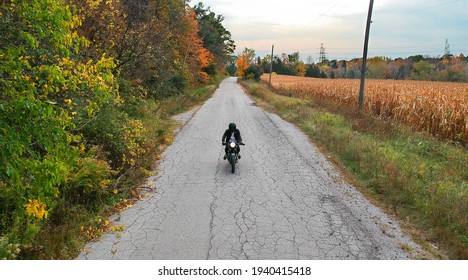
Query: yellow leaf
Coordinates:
[36,208]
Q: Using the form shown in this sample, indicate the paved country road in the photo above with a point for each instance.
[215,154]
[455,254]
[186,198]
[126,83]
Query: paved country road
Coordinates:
[285,201]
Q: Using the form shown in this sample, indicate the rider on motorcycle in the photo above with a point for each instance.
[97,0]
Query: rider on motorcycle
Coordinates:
[232,131]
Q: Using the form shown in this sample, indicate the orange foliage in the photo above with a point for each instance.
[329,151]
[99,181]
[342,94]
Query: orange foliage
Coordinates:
[242,65]
[198,56]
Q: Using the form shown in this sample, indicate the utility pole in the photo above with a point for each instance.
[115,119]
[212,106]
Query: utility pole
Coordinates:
[271,63]
[364,55]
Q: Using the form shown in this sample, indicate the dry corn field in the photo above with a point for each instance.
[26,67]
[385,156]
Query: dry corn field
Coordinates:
[440,108]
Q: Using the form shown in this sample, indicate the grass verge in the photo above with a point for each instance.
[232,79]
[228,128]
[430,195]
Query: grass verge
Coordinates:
[421,180]
[71,226]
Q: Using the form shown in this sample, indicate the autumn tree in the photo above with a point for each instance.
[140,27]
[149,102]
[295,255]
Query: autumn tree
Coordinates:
[196,58]
[244,60]
[422,67]
[300,68]
[104,25]
[242,65]
[155,42]
[216,38]
[376,67]
[69,69]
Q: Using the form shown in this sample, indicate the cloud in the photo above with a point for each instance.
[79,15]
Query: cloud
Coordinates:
[400,28]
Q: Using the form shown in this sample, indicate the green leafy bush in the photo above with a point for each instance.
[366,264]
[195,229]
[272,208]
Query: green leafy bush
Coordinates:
[253,72]
[44,94]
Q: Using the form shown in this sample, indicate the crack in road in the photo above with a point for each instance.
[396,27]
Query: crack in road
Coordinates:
[285,200]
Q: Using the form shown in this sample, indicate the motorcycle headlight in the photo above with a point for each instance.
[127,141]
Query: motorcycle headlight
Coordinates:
[232,144]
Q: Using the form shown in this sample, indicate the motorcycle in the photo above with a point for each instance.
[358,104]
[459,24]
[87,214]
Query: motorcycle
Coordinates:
[232,154]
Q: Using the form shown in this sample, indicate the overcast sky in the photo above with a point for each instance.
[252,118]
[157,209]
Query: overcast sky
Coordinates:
[400,28]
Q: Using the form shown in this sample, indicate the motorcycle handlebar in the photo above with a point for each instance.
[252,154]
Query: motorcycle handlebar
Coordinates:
[224,144]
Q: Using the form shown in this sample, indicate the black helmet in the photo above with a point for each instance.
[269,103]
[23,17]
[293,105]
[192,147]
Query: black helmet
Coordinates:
[232,126]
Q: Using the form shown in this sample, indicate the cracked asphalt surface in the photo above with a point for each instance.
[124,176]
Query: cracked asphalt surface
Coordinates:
[285,201]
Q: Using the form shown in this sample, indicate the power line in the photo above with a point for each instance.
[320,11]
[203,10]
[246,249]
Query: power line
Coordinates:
[407,49]
[378,48]
[376,19]
[386,48]
[322,15]
[385,53]
[357,54]
[418,10]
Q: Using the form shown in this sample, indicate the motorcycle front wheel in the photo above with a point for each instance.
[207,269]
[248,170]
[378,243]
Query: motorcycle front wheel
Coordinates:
[233,163]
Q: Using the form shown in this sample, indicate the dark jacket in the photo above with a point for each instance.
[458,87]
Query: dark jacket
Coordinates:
[227,135]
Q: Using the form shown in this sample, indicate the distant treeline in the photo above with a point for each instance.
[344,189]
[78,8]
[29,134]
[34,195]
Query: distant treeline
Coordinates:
[418,67]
